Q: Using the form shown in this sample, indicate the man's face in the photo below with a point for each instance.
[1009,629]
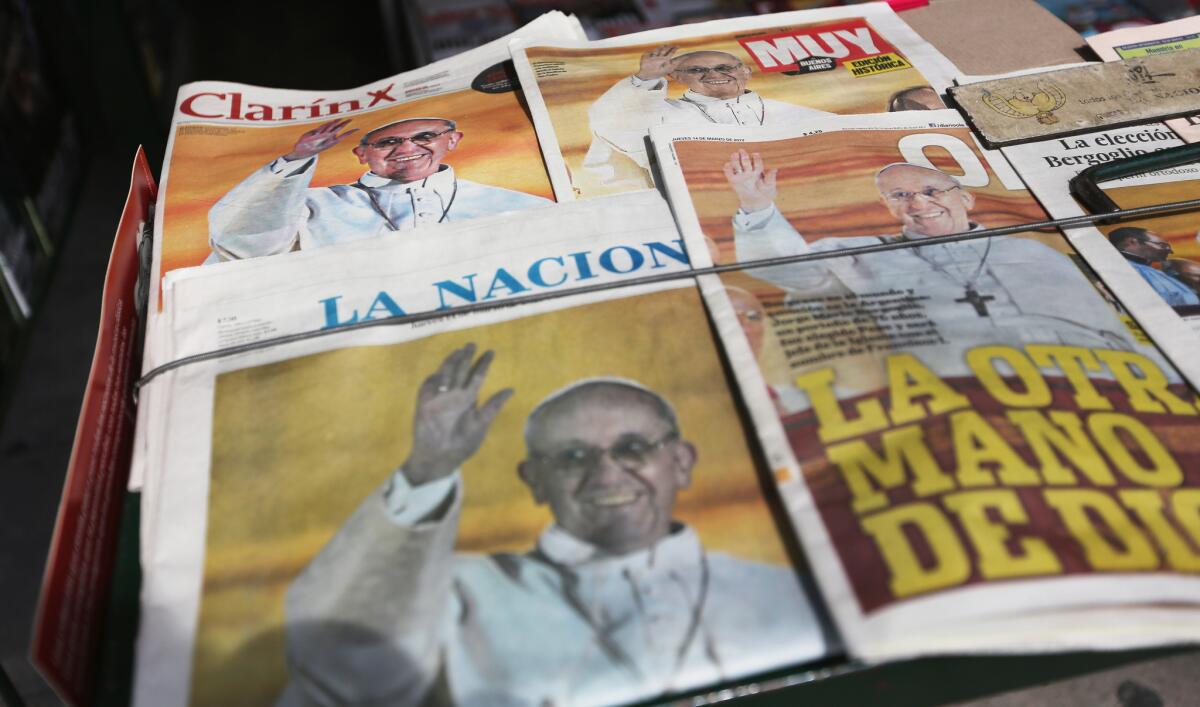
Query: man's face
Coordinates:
[409,160]
[1150,246]
[926,202]
[714,74]
[924,98]
[609,466]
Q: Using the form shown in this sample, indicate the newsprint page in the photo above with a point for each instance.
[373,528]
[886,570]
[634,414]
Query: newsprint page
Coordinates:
[979,449]
[538,504]
[440,268]
[254,171]
[1161,252]
[595,102]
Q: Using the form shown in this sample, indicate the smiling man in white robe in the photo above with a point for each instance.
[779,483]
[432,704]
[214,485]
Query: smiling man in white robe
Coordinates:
[716,93]
[1002,290]
[616,602]
[408,185]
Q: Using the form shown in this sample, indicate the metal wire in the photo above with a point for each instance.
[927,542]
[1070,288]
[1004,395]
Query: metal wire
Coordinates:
[1122,215]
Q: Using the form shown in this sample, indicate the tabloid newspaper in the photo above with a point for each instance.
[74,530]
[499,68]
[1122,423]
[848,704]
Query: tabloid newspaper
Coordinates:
[594,102]
[1144,261]
[254,171]
[1161,38]
[978,449]
[531,505]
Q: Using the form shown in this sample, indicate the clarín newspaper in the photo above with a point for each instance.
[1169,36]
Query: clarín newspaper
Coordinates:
[253,172]
[979,451]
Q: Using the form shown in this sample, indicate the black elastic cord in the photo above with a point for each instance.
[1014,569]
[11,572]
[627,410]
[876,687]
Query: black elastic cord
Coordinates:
[1123,215]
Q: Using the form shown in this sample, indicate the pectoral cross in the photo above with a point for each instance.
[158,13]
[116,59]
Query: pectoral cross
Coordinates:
[976,300]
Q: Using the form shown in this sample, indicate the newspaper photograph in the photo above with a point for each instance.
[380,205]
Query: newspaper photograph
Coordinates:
[1161,38]
[1144,261]
[451,515]
[254,171]
[978,450]
[440,268]
[594,102]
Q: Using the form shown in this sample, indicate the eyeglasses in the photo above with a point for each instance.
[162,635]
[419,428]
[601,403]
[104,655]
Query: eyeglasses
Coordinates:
[628,451]
[700,71]
[927,192]
[423,138]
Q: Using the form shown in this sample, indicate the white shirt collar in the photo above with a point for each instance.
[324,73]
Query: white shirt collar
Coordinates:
[441,181]
[681,549]
[905,234]
[702,99]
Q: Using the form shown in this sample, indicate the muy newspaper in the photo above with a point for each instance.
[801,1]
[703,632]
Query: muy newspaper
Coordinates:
[379,514]
[979,450]
[228,190]
[593,112]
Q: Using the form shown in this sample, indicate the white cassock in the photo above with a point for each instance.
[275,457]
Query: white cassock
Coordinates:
[275,211]
[621,119]
[387,612]
[1025,292]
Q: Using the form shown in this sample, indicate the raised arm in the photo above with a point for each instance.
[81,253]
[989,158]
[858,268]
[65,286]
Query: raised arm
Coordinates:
[759,229]
[365,617]
[621,118]
[761,232]
[262,215]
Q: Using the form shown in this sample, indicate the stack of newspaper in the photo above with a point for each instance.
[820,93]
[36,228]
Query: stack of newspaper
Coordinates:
[412,433]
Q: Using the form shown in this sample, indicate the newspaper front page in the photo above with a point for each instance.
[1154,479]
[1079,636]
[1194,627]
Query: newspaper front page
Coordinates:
[979,450]
[436,269]
[1145,261]
[594,102]
[254,171]
[532,505]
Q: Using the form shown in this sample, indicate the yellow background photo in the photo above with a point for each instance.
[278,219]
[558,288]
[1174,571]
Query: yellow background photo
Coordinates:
[297,445]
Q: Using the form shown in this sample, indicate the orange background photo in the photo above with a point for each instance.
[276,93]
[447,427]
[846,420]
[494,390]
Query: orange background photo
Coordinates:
[590,72]
[827,184]
[827,189]
[499,148]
